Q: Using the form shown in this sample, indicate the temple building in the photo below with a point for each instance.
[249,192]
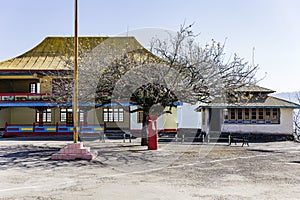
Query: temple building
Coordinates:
[30,100]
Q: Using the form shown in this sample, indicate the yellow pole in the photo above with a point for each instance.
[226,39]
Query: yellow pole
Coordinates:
[75,93]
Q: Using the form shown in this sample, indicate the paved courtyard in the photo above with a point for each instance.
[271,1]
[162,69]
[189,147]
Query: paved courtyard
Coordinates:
[130,171]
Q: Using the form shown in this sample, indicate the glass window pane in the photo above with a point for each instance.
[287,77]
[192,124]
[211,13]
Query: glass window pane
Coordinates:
[240,113]
[225,113]
[48,117]
[121,117]
[63,117]
[275,114]
[253,114]
[110,117]
[37,116]
[232,114]
[261,113]
[268,113]
[247,114]
[105,116]
[38,88]
[116,115]
[81,116]
[32,87]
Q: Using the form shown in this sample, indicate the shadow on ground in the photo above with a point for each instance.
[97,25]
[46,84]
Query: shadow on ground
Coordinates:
[29,156]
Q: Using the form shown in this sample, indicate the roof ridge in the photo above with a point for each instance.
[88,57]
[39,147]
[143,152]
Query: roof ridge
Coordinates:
[255,88]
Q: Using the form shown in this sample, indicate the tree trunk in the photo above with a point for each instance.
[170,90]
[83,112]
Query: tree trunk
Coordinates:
[144,134]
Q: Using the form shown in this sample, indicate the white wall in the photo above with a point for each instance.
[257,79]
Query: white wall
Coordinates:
[161,122]
[188,117]
[5,117]
[133,120]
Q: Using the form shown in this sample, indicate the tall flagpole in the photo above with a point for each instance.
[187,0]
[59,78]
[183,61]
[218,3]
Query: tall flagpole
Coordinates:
[75,93]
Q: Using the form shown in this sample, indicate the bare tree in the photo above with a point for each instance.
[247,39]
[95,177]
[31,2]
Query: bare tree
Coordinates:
[177,69]
[185,72]
[296,118]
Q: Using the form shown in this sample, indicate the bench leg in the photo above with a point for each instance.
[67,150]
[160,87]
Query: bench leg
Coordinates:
[245,142]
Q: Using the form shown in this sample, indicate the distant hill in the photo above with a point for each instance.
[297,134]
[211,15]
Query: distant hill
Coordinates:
[289,96]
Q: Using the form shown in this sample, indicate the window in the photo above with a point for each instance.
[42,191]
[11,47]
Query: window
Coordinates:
[247,114]
[121,115]
[113,114]
[232,114]
[105,114]
[226,114]
[66,115]
[63,114]
[38,88]
[275,114]
[268,113]
[140,116]
[32,88]
[110,115]
[240,114]
[260,113]
[81,116]
[46,115]
[253,113]
[116,115]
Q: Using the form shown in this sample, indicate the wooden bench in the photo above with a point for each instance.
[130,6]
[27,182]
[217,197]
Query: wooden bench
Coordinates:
[239,138]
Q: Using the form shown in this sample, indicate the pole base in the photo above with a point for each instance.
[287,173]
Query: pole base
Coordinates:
[74,151]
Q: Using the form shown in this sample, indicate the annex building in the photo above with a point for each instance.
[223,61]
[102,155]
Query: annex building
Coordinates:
[254,112]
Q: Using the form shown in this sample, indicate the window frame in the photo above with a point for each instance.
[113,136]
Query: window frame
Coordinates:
[32,88]
[47,116]
[232,113]
[268,114]
[113,114]
[247,116]
[259,115]
[70,110]
[240,114]
[226,114]
[273,114]
[253,114]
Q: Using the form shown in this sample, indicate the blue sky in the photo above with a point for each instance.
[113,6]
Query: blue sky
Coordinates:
[272,27]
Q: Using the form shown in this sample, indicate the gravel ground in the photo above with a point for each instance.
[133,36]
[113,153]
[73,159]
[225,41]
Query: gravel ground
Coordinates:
[130,171]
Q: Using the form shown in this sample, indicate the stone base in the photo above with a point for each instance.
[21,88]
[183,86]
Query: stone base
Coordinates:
[74,151]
